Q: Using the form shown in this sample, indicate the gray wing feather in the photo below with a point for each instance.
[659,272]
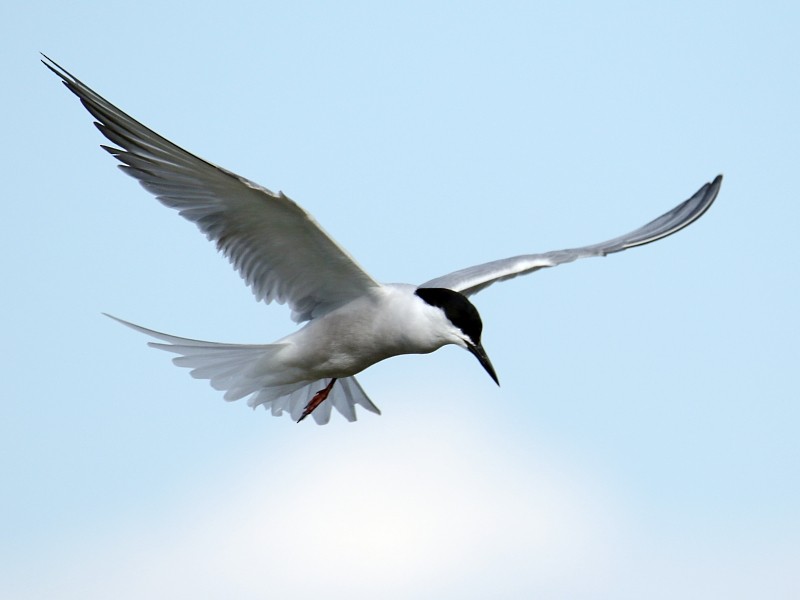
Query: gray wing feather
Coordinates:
[473,279]
[277,247]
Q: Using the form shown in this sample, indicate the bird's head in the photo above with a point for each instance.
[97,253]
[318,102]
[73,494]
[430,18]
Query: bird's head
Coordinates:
[464,318]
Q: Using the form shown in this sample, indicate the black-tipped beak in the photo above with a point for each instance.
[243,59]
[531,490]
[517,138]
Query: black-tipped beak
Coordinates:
[479,353]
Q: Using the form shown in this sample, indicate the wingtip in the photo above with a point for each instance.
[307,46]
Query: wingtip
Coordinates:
[121,321]
[117,319]
[66,77]
[49,63]
[712,192]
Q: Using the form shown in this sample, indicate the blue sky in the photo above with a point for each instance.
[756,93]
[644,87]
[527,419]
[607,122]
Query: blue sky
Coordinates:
[644,440]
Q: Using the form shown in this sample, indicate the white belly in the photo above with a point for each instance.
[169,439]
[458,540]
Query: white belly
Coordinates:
[348,340]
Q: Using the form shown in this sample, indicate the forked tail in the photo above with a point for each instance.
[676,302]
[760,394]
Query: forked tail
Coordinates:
[239,370]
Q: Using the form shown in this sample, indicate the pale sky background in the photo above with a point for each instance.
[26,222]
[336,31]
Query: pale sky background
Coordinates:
[644,442]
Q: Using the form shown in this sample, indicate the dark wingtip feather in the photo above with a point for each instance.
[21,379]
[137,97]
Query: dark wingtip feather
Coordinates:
[56,68]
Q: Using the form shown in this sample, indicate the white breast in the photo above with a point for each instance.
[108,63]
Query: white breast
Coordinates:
[391,321]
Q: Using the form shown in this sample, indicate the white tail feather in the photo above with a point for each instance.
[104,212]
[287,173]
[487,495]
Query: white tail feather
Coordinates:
[238,370]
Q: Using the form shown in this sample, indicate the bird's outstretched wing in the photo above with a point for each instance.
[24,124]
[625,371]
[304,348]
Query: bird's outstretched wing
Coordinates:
[473,279]
[276,246]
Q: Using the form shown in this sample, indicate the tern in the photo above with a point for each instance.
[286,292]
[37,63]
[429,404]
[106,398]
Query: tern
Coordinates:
[352,321]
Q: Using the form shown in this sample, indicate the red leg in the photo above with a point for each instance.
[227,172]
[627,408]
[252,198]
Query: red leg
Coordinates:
[318,399]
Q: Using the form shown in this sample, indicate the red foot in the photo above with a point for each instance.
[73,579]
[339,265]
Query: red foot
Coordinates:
[318,399]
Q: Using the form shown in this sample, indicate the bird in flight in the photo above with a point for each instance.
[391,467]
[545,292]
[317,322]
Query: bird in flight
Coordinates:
[352,321]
